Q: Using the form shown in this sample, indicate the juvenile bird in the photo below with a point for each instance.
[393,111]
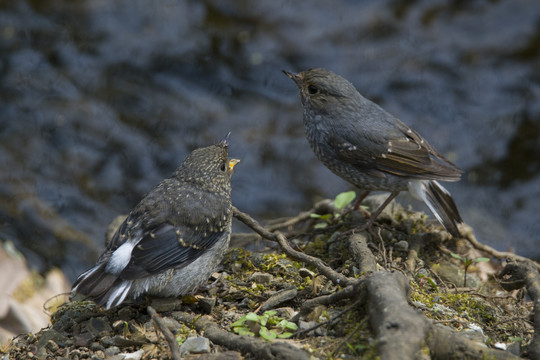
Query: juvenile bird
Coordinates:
[174,239]
[373,150]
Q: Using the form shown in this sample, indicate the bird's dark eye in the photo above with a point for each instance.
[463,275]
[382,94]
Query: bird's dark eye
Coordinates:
[312,89]
[223,167]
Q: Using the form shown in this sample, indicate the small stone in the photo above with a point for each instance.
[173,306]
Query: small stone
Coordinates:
[111,351]
[261,278]
[207,304]
[475,333]
[316,313]
[127,313]
[163,305]
[285,312]
[120,341]
[195,345]
[98,355]
[53,335]
[305,325]
[84,339]
[95,346]
[51,346]
[401,246]
[279,298]
[306,273]
[137,355]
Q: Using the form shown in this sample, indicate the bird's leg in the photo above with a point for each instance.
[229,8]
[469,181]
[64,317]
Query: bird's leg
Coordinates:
[377,212]
[358,204]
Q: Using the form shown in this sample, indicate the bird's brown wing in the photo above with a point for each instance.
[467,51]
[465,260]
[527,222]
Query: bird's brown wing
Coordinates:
[402,153]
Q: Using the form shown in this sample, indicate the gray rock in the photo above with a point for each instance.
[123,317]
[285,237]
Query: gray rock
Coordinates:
[137,355]
[261,278]
[111,351]
[195,345]
[207,304]
[53,335]
[401,245]
[279,298]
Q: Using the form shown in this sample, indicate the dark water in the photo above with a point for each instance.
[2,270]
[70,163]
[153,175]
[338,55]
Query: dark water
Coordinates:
[100,100]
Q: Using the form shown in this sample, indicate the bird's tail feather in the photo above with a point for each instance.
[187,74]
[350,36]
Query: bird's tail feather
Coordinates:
[440,202]
[104,288]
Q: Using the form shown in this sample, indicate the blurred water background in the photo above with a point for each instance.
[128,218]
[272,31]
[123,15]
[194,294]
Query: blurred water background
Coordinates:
[100,100]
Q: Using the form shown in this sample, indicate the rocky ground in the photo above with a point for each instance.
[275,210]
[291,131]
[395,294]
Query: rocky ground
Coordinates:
[322,290]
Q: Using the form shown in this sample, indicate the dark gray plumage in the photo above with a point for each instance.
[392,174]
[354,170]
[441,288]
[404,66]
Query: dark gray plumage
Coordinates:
[368,147]
[174,239]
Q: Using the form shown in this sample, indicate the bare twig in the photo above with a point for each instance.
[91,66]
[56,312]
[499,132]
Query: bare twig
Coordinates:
[352,291]
[329,321]
[324,269]
[469,235]
[303,216]
[171,340]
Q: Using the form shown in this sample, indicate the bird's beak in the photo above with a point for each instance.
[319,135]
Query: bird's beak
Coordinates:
[292,76]
[232,163]
[225,141]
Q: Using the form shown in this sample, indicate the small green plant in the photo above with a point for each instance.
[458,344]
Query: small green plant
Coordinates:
[268,326]
[340,202]
[468,262]
[356,349]
[422,277]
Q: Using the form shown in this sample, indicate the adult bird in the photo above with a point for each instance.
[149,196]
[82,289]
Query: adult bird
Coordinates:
[373,150]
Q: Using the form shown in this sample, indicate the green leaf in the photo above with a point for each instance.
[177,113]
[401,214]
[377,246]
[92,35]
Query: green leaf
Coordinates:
[320,226]
[323,217]
[284,324]
[267,334]
[252,317]
[242,331]
[239,322]
[480,259]
[432,283]
[285,335]
[456,256]
[344,199]
[270,313]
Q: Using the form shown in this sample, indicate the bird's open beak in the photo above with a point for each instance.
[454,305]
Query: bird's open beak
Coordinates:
[232,163]
[292,76]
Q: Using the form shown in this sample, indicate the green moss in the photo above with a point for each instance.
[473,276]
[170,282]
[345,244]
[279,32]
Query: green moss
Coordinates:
[469,306]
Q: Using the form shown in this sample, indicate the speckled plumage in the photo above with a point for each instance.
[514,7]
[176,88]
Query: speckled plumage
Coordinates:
[174,239]
[368,147]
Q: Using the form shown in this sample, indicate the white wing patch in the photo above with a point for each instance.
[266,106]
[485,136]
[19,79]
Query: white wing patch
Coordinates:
[120,258]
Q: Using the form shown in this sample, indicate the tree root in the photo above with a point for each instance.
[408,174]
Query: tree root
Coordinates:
[467,232]
[518,274]
[324,269]
[401,331]
[171,340]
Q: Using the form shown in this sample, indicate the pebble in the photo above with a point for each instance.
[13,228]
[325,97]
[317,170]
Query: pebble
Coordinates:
[207,304]
[279,298]
[137,355]
[401,246]
[261,278]
[195,345]
[111,351]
